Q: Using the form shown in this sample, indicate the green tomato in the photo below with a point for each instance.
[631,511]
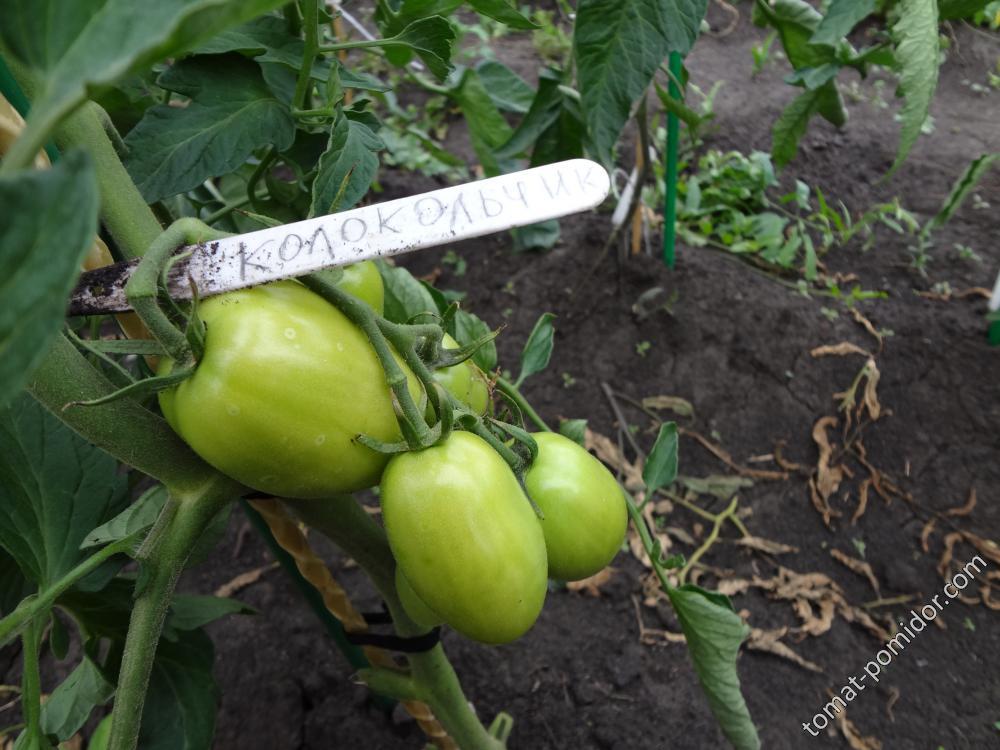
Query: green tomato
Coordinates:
[285,384]
[101,736]
[414,606]
[466,537]
[584,509]
[365,282]
[464,381]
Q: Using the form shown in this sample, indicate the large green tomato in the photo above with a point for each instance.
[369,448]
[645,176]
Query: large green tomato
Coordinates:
[415,607]
[464,381]
[466,537]
[285,384]
[365,282]
[585,514]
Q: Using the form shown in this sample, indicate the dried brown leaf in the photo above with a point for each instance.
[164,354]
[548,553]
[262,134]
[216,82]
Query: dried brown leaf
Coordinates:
[609,452]
[821,505]
[944,563]
[592,586]
[893,698]
[966,509]
[862,500]
[828,478]
[243,580]
[766,545]
[858,566]
[675,404]
[986,547]
[838,350]
[727,459]
[986,593]
[867,325]
[854,738]
[811,624]
[732,586]
[784,463]
[770,641]
[870,395]
[925,534]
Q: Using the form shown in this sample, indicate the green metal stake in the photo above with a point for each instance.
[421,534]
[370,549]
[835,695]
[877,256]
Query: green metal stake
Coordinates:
[673,132]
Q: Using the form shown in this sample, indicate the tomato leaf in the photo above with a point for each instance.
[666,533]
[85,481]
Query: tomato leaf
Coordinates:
[405,297]
[346,168]
[506,88]
[87,46]
[789,128]
[54,488]
[714,633]
[661,465]
[574,429]
[138,516]
[432,39]
[962,187]
[232,112]
[541,236]
[68,706]
[50,218]
[488,129]
[190,612]
[840,18]
[795,21]
[917,46]
[504,12]
[619,45]
[545,109]
[467,329]
[538,348]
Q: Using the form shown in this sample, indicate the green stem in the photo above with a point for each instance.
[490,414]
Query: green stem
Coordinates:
[255,178]
[230,207]
[310,21]
[166,550]
[432,678]
[514,394]
[364,318]
[42,601]
[363,44]
[709,540]
[31,685]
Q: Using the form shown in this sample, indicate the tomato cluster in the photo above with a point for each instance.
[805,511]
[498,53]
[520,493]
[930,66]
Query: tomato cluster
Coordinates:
[286,383]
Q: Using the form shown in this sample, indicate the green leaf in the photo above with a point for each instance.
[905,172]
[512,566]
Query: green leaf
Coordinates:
[506,88]
[830,104]
[661,465]
[190,612]
[537,349]
[795,21]
[54,488]
[545,109]
[85,47]
[49,221]
[467,329]
[676,107]
[840,18]
[915,36]
[232,112]
[813,78]
[541,236]
[392,16]
[488,129]
[504,12]
[951,10]
[179,712]
[432,39]
[574,429]
[70,704]
[714,633]
[962,187]
[346,168]
[619,45]
[722,486]
[789,128]
[138,516]
[405,297]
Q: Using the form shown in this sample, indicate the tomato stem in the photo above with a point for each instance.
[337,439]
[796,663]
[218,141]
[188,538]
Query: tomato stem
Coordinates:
[31,687]
[514,394]
[162,558]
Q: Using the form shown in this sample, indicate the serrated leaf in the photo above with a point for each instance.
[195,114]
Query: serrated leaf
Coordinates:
[506,88]
[54,488]
[545,109]
[138,516]
[503,11]
[83,47]
[468,328]
[346,168]
[49,221]
[962,187]
[916,44]
[660,469]
[393,17]
[69,706]
[432,39]
[796,21]
[619,45]
[538,348]
[791,125]
[232,112]
[840,18]
[714,632]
